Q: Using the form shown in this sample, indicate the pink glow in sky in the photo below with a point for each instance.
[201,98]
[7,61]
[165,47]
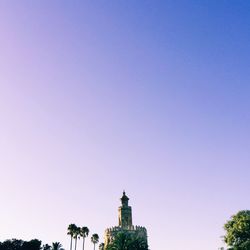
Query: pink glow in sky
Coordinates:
[101,96]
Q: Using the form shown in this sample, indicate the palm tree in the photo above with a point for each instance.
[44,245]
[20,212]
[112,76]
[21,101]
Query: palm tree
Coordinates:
[120,242]
[125,240]
[101,246]
[46,247]
[95,239]
[71,230]
[138,244]
[84,232]
[56,246]
[76,235]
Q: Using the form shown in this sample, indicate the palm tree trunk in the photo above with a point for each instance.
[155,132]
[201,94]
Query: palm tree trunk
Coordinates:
[83,241]
[75,243]
[94,246]
[71,243]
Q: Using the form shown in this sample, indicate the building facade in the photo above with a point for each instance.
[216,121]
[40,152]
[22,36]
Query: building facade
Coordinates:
[124,224]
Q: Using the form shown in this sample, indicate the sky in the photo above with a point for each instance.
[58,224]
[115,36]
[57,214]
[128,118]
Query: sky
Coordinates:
[151,97]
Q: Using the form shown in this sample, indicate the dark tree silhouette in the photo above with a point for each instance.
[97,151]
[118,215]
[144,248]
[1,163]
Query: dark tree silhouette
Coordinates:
[84,232]
[32,245]
[46,247]
[13,244]
[95,239]
[101,246]
[35,244]
[76,236]
[71,232]
[57,246]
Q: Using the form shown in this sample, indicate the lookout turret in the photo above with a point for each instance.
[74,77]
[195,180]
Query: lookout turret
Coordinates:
[124,199]
[125,213]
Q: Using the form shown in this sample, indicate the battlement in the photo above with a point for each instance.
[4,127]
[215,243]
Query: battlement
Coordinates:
[129,228]
[112,232]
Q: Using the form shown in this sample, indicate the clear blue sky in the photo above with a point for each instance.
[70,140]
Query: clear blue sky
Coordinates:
[147,96]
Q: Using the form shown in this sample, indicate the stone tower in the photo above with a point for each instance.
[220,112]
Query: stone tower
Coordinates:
[124,224]
[125,213]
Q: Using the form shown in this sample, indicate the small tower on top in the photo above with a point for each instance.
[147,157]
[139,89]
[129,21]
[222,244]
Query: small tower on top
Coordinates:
[124,199]
[125,213]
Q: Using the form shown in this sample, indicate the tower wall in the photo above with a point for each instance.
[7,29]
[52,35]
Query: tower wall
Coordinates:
[125,216]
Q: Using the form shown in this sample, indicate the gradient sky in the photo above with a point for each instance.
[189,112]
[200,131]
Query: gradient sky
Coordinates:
[148,96]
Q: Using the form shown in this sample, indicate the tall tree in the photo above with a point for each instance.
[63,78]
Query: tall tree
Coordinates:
[76,235]
[71,230]
[95,239]
[84,232]
[238,231]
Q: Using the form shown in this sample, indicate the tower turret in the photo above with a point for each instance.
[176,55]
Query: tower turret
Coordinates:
[125,213]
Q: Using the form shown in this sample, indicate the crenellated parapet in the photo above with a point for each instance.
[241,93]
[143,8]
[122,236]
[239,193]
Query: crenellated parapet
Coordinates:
[130,228]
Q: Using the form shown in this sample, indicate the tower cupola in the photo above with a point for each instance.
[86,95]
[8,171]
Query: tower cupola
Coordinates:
[124,199]
[125,213]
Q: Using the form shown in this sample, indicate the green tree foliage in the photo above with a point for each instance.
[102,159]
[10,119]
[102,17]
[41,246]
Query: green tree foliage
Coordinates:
[31,245]
[46,247]
[15,244]
[71,232]
[238,231]
[84,232]
[95,239]
[127,241]
[76,235]
[57,246]
[101,246]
